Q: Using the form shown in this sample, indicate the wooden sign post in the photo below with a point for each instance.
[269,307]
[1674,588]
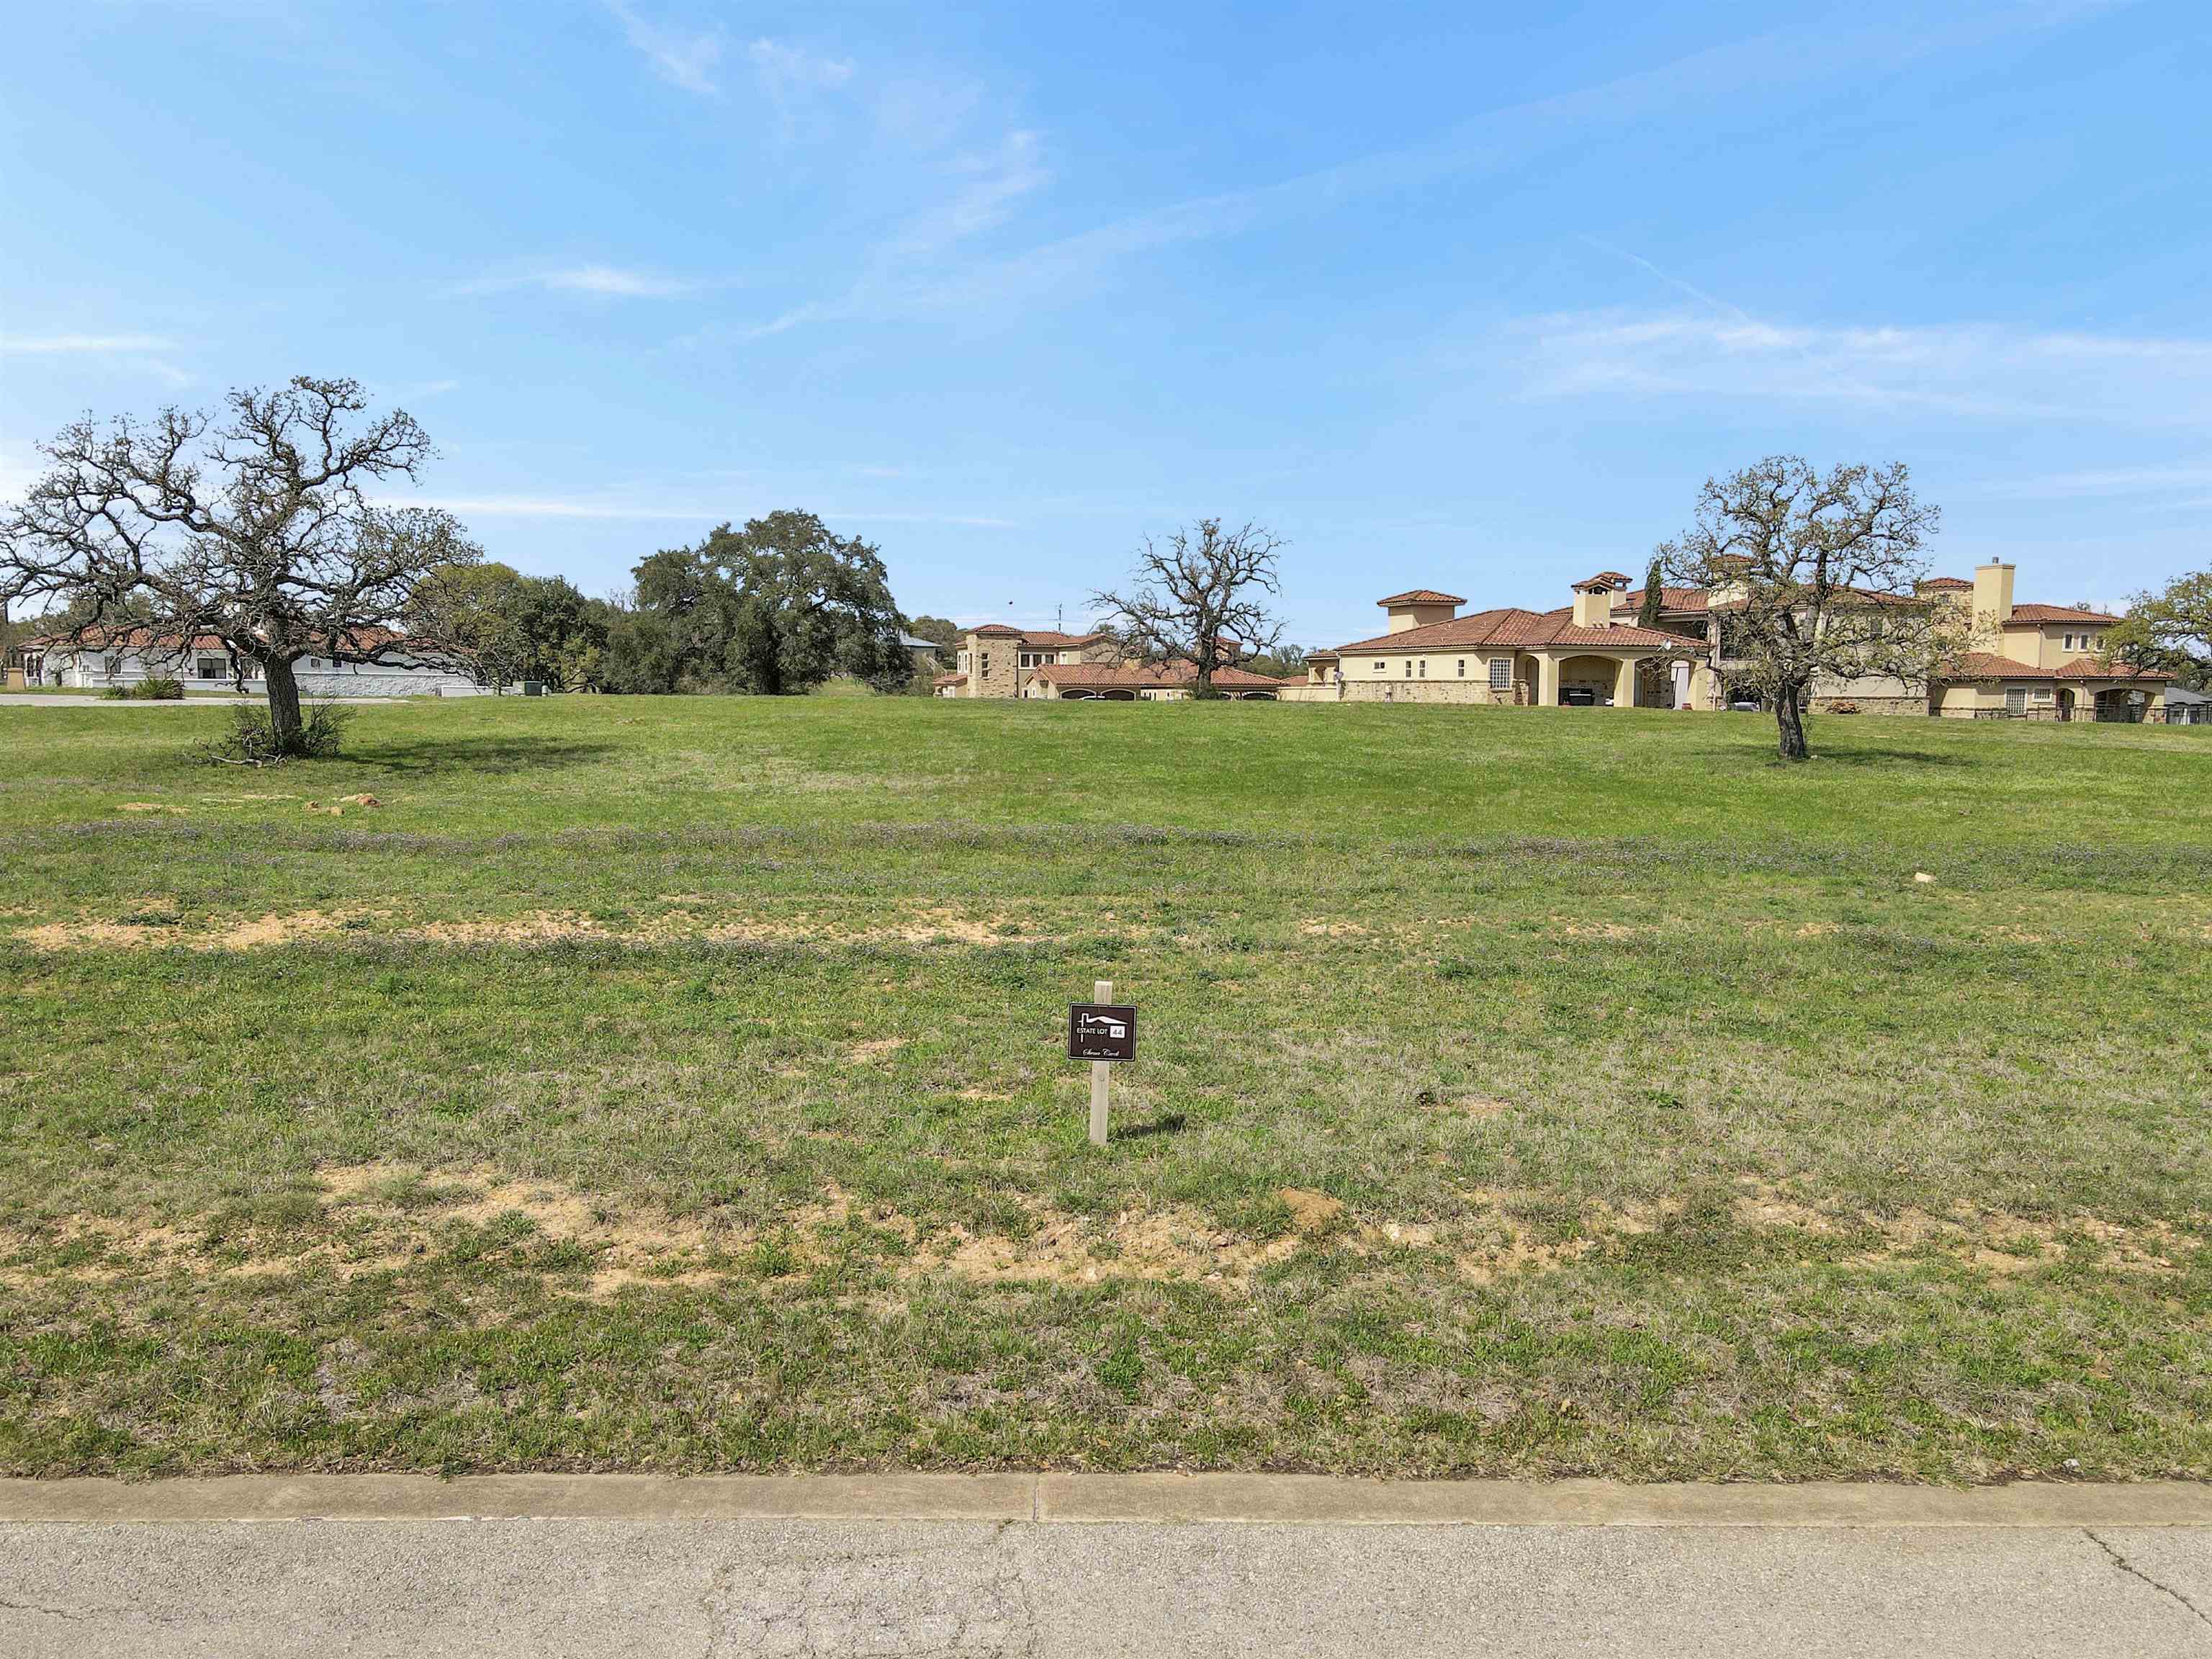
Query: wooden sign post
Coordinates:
[1101,1031]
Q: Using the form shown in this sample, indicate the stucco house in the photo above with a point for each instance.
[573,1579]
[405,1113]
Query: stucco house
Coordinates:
[2037,661]
[122,657]
[997,660]
[1585,655]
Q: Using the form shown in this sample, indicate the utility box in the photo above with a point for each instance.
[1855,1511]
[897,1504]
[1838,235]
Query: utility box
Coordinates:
[533,688]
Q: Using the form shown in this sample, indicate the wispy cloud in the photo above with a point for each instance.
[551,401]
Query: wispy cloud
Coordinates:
[986,186]
[1977,370]
[611,281]
[145,351]
[1493,142]
[644,510]
[682,58]
[45,345]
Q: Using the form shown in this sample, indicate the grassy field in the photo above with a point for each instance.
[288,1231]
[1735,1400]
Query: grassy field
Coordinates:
[679,1084]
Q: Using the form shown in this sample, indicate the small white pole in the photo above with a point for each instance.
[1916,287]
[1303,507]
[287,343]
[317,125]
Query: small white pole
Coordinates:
[1102,990]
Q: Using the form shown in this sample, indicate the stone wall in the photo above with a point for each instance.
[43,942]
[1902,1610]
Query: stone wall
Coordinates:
[1004,677]
[1404,690]
[1873,705]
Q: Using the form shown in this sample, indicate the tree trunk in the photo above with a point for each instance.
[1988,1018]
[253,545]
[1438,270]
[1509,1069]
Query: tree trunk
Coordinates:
[284,704]
[1790,720]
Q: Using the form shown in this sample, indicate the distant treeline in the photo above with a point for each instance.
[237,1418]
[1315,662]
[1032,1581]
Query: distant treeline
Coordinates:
[776,607]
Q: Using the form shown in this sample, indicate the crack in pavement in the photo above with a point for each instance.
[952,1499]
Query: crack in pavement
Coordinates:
[2135,1571]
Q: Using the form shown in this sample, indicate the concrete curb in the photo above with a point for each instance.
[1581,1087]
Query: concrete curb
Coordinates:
[1072,1499]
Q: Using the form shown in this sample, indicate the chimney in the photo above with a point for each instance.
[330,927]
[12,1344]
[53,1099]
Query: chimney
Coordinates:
[1992,597]
[1593,598]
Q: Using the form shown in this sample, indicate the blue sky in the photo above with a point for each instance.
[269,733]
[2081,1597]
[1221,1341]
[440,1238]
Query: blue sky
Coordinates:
[1448,294]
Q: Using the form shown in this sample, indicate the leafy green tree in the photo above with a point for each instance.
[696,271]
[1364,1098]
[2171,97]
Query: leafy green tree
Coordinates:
[940,631]
[2170,629]
[1654,593]
[774,609]
[510,627]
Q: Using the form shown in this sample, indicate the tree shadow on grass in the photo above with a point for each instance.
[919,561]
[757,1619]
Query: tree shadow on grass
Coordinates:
[1887,757]
[1172,1123]
[495,756]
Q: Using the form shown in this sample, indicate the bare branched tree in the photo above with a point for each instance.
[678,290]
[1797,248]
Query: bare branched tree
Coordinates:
[1814,580]
[254,525]
[1198,595]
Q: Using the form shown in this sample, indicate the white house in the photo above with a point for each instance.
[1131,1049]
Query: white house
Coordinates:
[124,658]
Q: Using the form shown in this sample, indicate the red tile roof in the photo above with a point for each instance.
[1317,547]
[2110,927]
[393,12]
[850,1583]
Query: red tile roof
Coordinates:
[1670,598]
[1987,666]
[1422,596]
[2089,668]
[1044,637]
[944,680]
[1513,626]
[1605,579]
[2039,614]
[1148,675]
[1948,583]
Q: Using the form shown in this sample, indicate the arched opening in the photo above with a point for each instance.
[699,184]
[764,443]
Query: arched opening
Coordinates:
[2065,702]
[1588,682]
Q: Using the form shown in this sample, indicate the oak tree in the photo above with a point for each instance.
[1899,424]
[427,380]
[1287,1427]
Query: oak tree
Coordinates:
[1814,580]
[255,525]
[1198,595]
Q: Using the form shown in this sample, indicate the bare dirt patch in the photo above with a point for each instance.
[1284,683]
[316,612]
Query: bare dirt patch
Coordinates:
[1310,1212]
[150,807]
[875,1049]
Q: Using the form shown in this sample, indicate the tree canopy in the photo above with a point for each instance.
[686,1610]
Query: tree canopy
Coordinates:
[2169,629]
[777,607]
[508,626]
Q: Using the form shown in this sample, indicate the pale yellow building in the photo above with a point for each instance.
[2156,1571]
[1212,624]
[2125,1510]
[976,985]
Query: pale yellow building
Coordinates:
[2037,661]
[1582,655]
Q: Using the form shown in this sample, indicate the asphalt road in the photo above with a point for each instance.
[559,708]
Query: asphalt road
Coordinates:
[605,1587]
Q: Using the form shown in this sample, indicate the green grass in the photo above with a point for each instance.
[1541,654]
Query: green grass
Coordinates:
[677,1084]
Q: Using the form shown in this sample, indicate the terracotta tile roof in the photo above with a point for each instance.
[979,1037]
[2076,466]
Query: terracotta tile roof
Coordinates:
[1422,596]
[1513,626]
[1670,598]
[1605,579]
[1321,656]
[1950,583]
[2088,668]
[1987,666]
[996,631]
[2039,614]
[1046,636]
[944,680]
[1146,676]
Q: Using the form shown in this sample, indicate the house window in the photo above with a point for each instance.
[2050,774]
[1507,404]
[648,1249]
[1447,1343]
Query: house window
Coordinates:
[1501,673]
[2015,700]
[1462,668]
[2100,645]
[2069,643]
[1409,668]
[1381,666]
[209,668]
[986,663]
[1425,668]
